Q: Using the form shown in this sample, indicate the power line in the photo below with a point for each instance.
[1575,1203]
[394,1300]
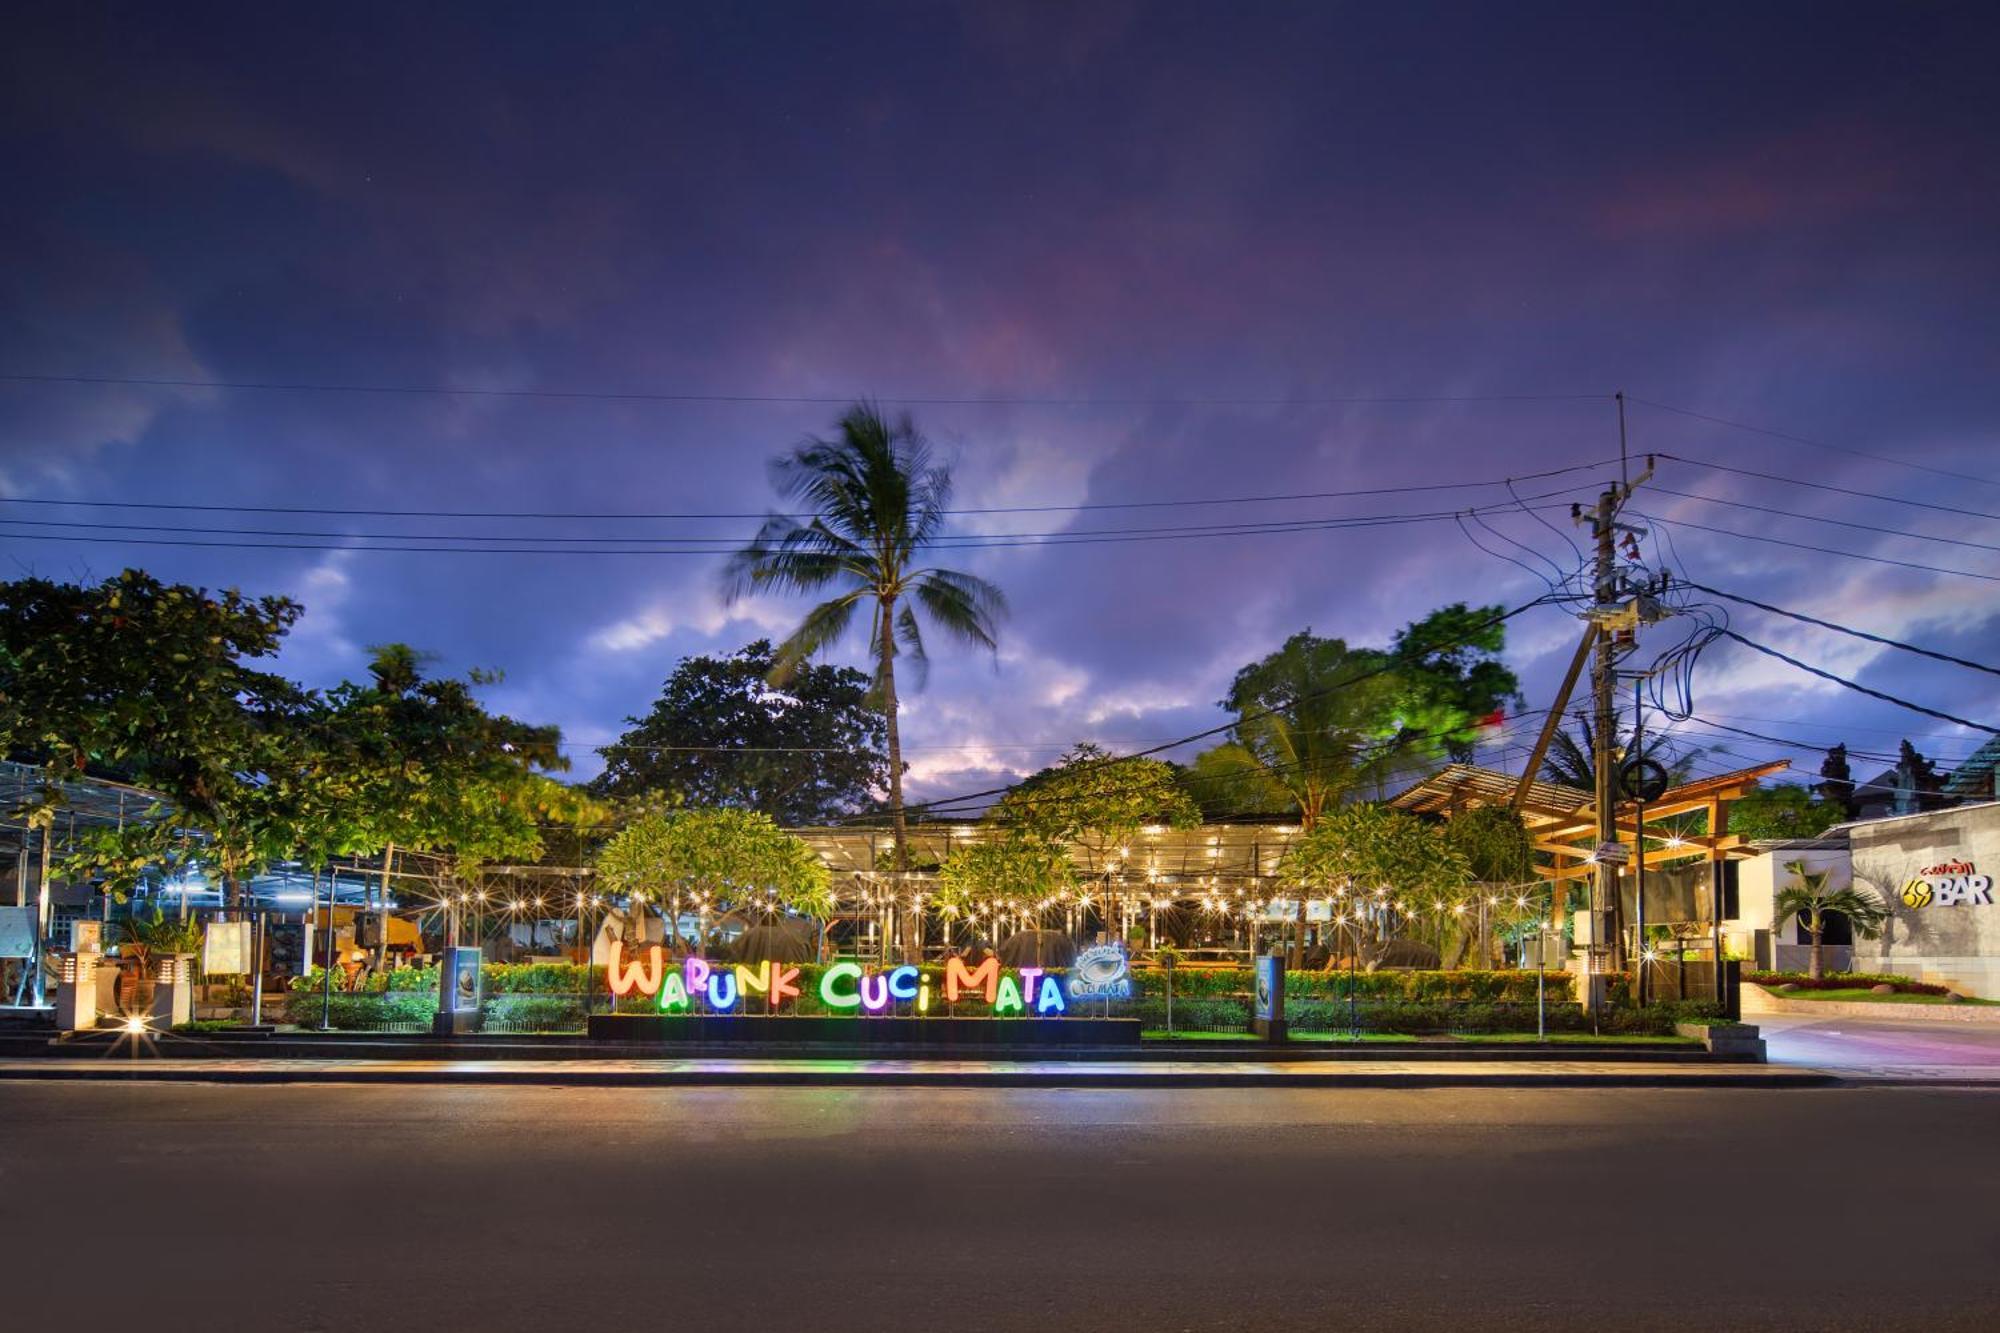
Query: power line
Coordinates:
[1058,539]
[724,545]
[1817,444]
[319,511]
[1853,685]
[1845,629]
[1829,487]
[1836,522]
[819,400]
[1823,550]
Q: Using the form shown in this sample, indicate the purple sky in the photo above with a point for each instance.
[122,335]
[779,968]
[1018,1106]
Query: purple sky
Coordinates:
[1207,220]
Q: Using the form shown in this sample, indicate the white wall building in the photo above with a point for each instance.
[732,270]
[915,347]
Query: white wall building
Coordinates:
[1935,872]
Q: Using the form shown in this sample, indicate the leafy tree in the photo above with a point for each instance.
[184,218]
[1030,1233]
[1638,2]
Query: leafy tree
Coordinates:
[1811,899]
[1783,811]
[1316,718]
[427,769]
[137,676]
[1227,782]
[150,680]
[1014,870]
[719,859]
[721,735]
[878,502]
[1494,843]
[1099,802]
[1370,850]
[1836,782]
[1454,681]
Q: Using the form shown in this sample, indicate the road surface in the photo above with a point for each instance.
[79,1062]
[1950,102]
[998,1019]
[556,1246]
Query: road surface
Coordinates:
[317,1207]
[1859,1048]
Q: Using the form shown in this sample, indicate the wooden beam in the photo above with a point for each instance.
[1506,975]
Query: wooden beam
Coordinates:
[1554,719]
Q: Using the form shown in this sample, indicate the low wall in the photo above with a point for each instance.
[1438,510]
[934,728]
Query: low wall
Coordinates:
[788,1029]
[1757,1000]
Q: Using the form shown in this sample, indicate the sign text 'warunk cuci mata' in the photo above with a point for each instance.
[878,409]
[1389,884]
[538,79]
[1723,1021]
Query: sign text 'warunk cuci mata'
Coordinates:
[728,988]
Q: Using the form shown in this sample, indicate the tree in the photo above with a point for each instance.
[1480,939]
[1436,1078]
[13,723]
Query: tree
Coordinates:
[150,680]
[1811,899]
[1572,757]
[1836,782]
[1454,681]
[427,769]
[879,502]
[720,859]
[1920,776]
[1374,851]
[1227,782]
[1315,719]
[1100,802]
[721,735]
[1770,814]
[1017,870]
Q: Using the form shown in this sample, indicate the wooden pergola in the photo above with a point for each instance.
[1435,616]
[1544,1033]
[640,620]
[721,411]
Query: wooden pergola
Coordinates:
[1562,821]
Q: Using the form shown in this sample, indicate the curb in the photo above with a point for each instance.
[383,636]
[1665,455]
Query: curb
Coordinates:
[530,1076]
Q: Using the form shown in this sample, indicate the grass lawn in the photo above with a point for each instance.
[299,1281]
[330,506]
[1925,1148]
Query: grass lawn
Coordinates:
[1482,1038]
[1870,997]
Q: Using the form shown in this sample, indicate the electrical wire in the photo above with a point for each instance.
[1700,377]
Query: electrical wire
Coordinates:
[1820,518]
[319,511]
[1847,629]
[822,400]
[1863,689]
[1822,550]
[1817,444]
[1829,487]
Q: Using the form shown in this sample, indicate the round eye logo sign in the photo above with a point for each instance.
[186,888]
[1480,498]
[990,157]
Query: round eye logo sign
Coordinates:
[1917,893]
[1101,972]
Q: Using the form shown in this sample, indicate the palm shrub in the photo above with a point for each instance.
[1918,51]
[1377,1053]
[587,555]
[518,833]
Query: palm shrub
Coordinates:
[1811,898]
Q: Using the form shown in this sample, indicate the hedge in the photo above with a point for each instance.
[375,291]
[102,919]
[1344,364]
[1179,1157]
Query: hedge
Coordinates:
[1847,981]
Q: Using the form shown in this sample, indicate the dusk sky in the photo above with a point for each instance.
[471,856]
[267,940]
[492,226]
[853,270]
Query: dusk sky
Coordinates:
[1105,253]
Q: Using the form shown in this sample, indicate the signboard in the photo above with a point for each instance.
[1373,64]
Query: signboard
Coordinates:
[1269,1000]
[461,974]
[225,948]
[17,932]
[1287,909]
[1949,884]
[1101,972]
[86,936]
[1613,853]
[849,987]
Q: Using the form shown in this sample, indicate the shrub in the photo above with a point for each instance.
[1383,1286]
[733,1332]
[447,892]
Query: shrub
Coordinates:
[526,1010]
[363,1013]
[1847,981]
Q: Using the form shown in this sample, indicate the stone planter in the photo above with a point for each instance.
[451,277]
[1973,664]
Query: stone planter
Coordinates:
[1734,1040]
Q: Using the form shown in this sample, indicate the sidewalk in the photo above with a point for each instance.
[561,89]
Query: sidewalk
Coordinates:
[806,1073]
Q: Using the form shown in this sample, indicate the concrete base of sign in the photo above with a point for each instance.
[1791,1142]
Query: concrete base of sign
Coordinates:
[455,1023]
[794,1029]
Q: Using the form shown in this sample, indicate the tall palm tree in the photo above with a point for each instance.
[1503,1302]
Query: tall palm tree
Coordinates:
[1811,898]
[877,500]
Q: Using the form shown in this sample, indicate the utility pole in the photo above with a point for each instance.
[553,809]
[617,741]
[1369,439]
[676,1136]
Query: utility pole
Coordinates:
[1616,612]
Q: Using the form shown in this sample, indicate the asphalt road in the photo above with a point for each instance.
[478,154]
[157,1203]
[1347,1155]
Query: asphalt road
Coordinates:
[1884,1047]
[385,1208]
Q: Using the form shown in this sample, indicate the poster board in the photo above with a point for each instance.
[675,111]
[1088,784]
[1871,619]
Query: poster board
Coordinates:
[225,948]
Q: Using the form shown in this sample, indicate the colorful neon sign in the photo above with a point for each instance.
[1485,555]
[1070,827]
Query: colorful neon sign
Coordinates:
[844,987]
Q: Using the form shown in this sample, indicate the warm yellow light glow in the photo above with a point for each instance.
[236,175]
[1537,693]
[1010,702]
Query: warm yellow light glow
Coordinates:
[135,1024]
